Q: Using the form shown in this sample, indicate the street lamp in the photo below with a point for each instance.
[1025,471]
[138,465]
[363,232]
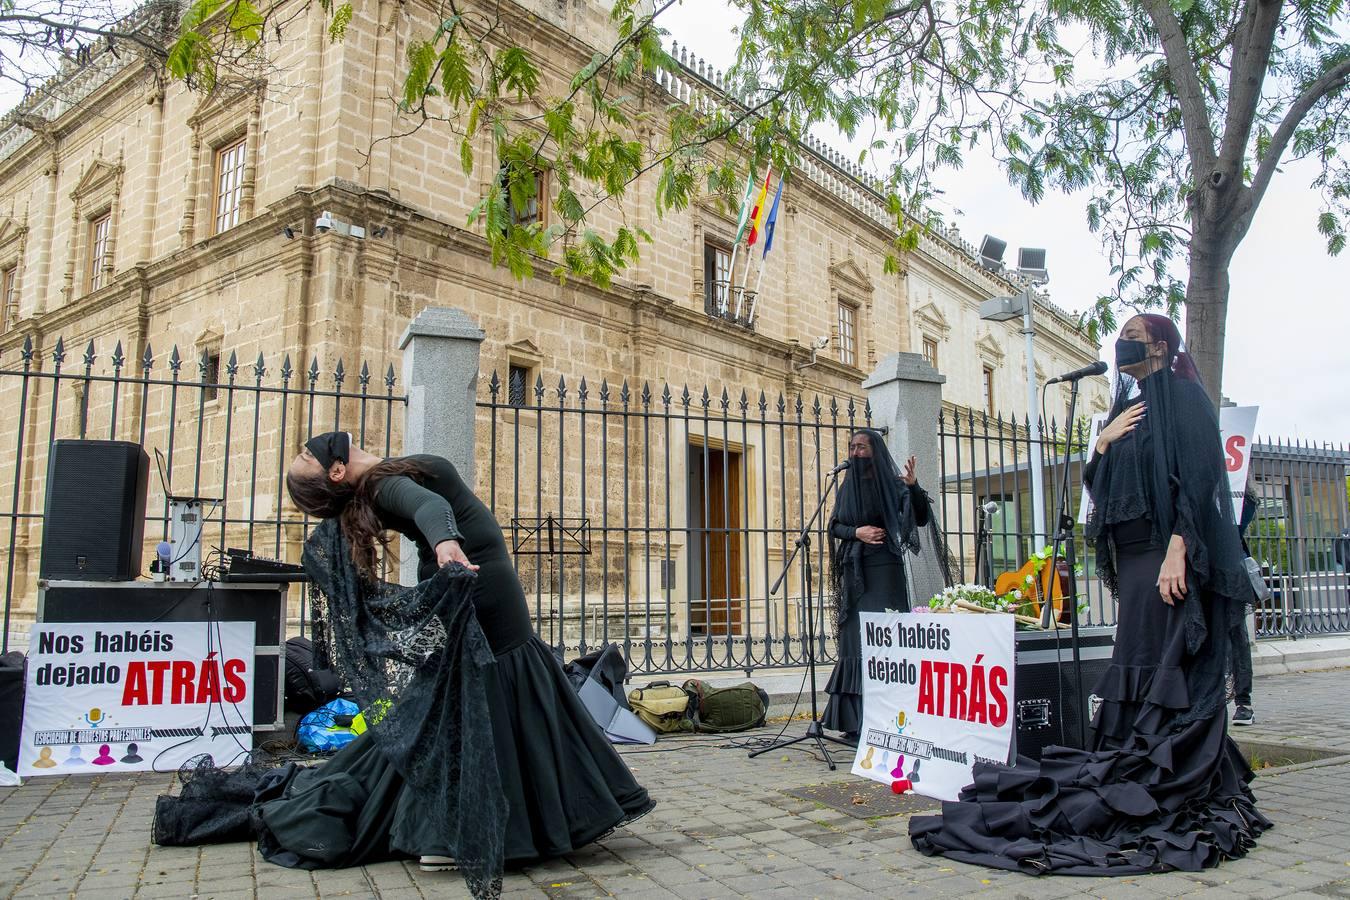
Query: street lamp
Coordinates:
[1031,264]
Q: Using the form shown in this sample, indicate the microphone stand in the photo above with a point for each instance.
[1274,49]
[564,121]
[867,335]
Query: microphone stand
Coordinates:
[813,731]
[1064,535]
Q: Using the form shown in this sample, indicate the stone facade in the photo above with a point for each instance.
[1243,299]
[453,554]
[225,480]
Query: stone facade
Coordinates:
[164,271]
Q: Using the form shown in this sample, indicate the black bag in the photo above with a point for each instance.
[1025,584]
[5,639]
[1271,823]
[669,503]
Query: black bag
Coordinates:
[307,688]
[11,707]
[606,665]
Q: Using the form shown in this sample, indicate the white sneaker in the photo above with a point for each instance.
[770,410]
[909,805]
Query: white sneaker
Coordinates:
[437,864]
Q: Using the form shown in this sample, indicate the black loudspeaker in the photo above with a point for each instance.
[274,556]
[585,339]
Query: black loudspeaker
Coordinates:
[1048,707]
[94,523]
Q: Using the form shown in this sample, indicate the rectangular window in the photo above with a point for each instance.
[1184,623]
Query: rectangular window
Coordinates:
[848,333]
[930,350]
[229,185]
[989,390]
[7,280]
[517,385]
[210,372]
[532,208]
[98,249]
[716,277]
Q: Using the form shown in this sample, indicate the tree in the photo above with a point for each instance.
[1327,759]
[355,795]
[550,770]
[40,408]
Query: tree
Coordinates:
[1178,140]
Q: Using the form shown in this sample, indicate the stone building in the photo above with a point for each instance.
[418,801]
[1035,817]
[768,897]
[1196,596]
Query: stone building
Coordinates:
[143,213]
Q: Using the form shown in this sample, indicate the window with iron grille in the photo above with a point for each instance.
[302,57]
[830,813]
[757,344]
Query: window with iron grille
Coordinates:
[989,390]
[518,386]
[211,375]
[848,333]
[229,185]
[716,276]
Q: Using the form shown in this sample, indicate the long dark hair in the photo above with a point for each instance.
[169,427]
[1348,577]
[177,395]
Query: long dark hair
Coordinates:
[353,505]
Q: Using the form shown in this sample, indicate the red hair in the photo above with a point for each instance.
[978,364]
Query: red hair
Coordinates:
[1162,328]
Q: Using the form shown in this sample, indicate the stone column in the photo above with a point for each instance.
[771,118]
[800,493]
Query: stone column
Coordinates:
[440,373]
[906,397]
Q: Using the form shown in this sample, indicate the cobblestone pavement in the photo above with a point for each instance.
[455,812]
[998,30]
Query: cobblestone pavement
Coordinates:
[724,827]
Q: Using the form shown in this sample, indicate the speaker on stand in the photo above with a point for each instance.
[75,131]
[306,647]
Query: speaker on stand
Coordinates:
[94,520]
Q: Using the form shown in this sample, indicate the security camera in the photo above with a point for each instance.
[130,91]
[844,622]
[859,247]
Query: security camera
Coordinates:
[822,342]
[324,223]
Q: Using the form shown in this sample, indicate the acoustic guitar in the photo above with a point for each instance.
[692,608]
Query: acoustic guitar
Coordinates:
[1056,588]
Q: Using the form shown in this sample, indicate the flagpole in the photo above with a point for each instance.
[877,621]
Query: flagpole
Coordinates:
[735,248]
[748,263]
[755,302]
[731,280]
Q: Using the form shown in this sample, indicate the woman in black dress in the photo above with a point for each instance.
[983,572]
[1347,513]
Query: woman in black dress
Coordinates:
[479,753]
[1164,787]
[876,518]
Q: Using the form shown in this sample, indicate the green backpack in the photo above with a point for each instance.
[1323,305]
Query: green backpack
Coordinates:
[735,708]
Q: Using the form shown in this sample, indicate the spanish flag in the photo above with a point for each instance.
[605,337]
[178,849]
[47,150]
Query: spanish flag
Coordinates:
[761,208]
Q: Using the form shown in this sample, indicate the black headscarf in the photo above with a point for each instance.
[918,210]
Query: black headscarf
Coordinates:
[417,661]
[872,493]
[1171,471]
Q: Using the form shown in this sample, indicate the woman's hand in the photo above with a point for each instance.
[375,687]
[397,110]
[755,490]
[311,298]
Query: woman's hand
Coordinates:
[908,476]
[1120,426]
[871,534]
[448,552]
[1172,576]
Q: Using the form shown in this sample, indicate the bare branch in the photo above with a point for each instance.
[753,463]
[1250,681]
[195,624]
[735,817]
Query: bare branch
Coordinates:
[1333,79]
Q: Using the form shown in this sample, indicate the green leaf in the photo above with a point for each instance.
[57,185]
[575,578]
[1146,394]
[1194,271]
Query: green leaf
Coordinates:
[466,155]
[342,17]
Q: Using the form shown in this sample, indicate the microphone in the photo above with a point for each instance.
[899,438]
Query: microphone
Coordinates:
[989,508]
[1097,368]
[839,468]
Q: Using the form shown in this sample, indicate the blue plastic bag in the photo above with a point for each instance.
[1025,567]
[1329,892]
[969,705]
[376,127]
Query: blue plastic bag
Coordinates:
[319,732]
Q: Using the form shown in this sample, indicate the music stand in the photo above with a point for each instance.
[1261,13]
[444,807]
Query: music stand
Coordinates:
[813,731]
[552,536]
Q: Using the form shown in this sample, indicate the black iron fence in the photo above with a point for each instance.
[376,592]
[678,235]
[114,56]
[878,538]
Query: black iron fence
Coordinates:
[1299,534]
[227,430]
[658,518]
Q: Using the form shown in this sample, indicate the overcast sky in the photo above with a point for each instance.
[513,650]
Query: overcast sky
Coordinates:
[1288,323]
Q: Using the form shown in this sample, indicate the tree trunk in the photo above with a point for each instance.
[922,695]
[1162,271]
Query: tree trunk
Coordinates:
[1207,306]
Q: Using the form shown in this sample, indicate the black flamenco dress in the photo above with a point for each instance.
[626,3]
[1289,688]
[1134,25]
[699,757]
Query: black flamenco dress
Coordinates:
[872,580]
[1164,787]
[550,781]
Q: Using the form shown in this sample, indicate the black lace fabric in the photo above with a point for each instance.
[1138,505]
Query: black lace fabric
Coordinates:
[416,660]
[1171,471]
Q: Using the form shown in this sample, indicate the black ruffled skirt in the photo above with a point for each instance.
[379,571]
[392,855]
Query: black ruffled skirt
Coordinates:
[1154,795]
[884,588]
[565,785]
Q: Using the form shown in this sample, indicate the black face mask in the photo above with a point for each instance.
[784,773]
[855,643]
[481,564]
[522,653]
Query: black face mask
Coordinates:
[1130,353]
[330,447]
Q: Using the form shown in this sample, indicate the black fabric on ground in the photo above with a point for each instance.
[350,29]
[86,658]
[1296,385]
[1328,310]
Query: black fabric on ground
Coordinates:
[1154,795]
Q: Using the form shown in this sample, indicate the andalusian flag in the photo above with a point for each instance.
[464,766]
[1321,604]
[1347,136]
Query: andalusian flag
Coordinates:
[745,207]
[772,221]
[757,217]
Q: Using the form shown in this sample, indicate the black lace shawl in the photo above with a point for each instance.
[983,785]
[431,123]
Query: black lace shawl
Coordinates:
[872,493]
[1171,471]
[417,662]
